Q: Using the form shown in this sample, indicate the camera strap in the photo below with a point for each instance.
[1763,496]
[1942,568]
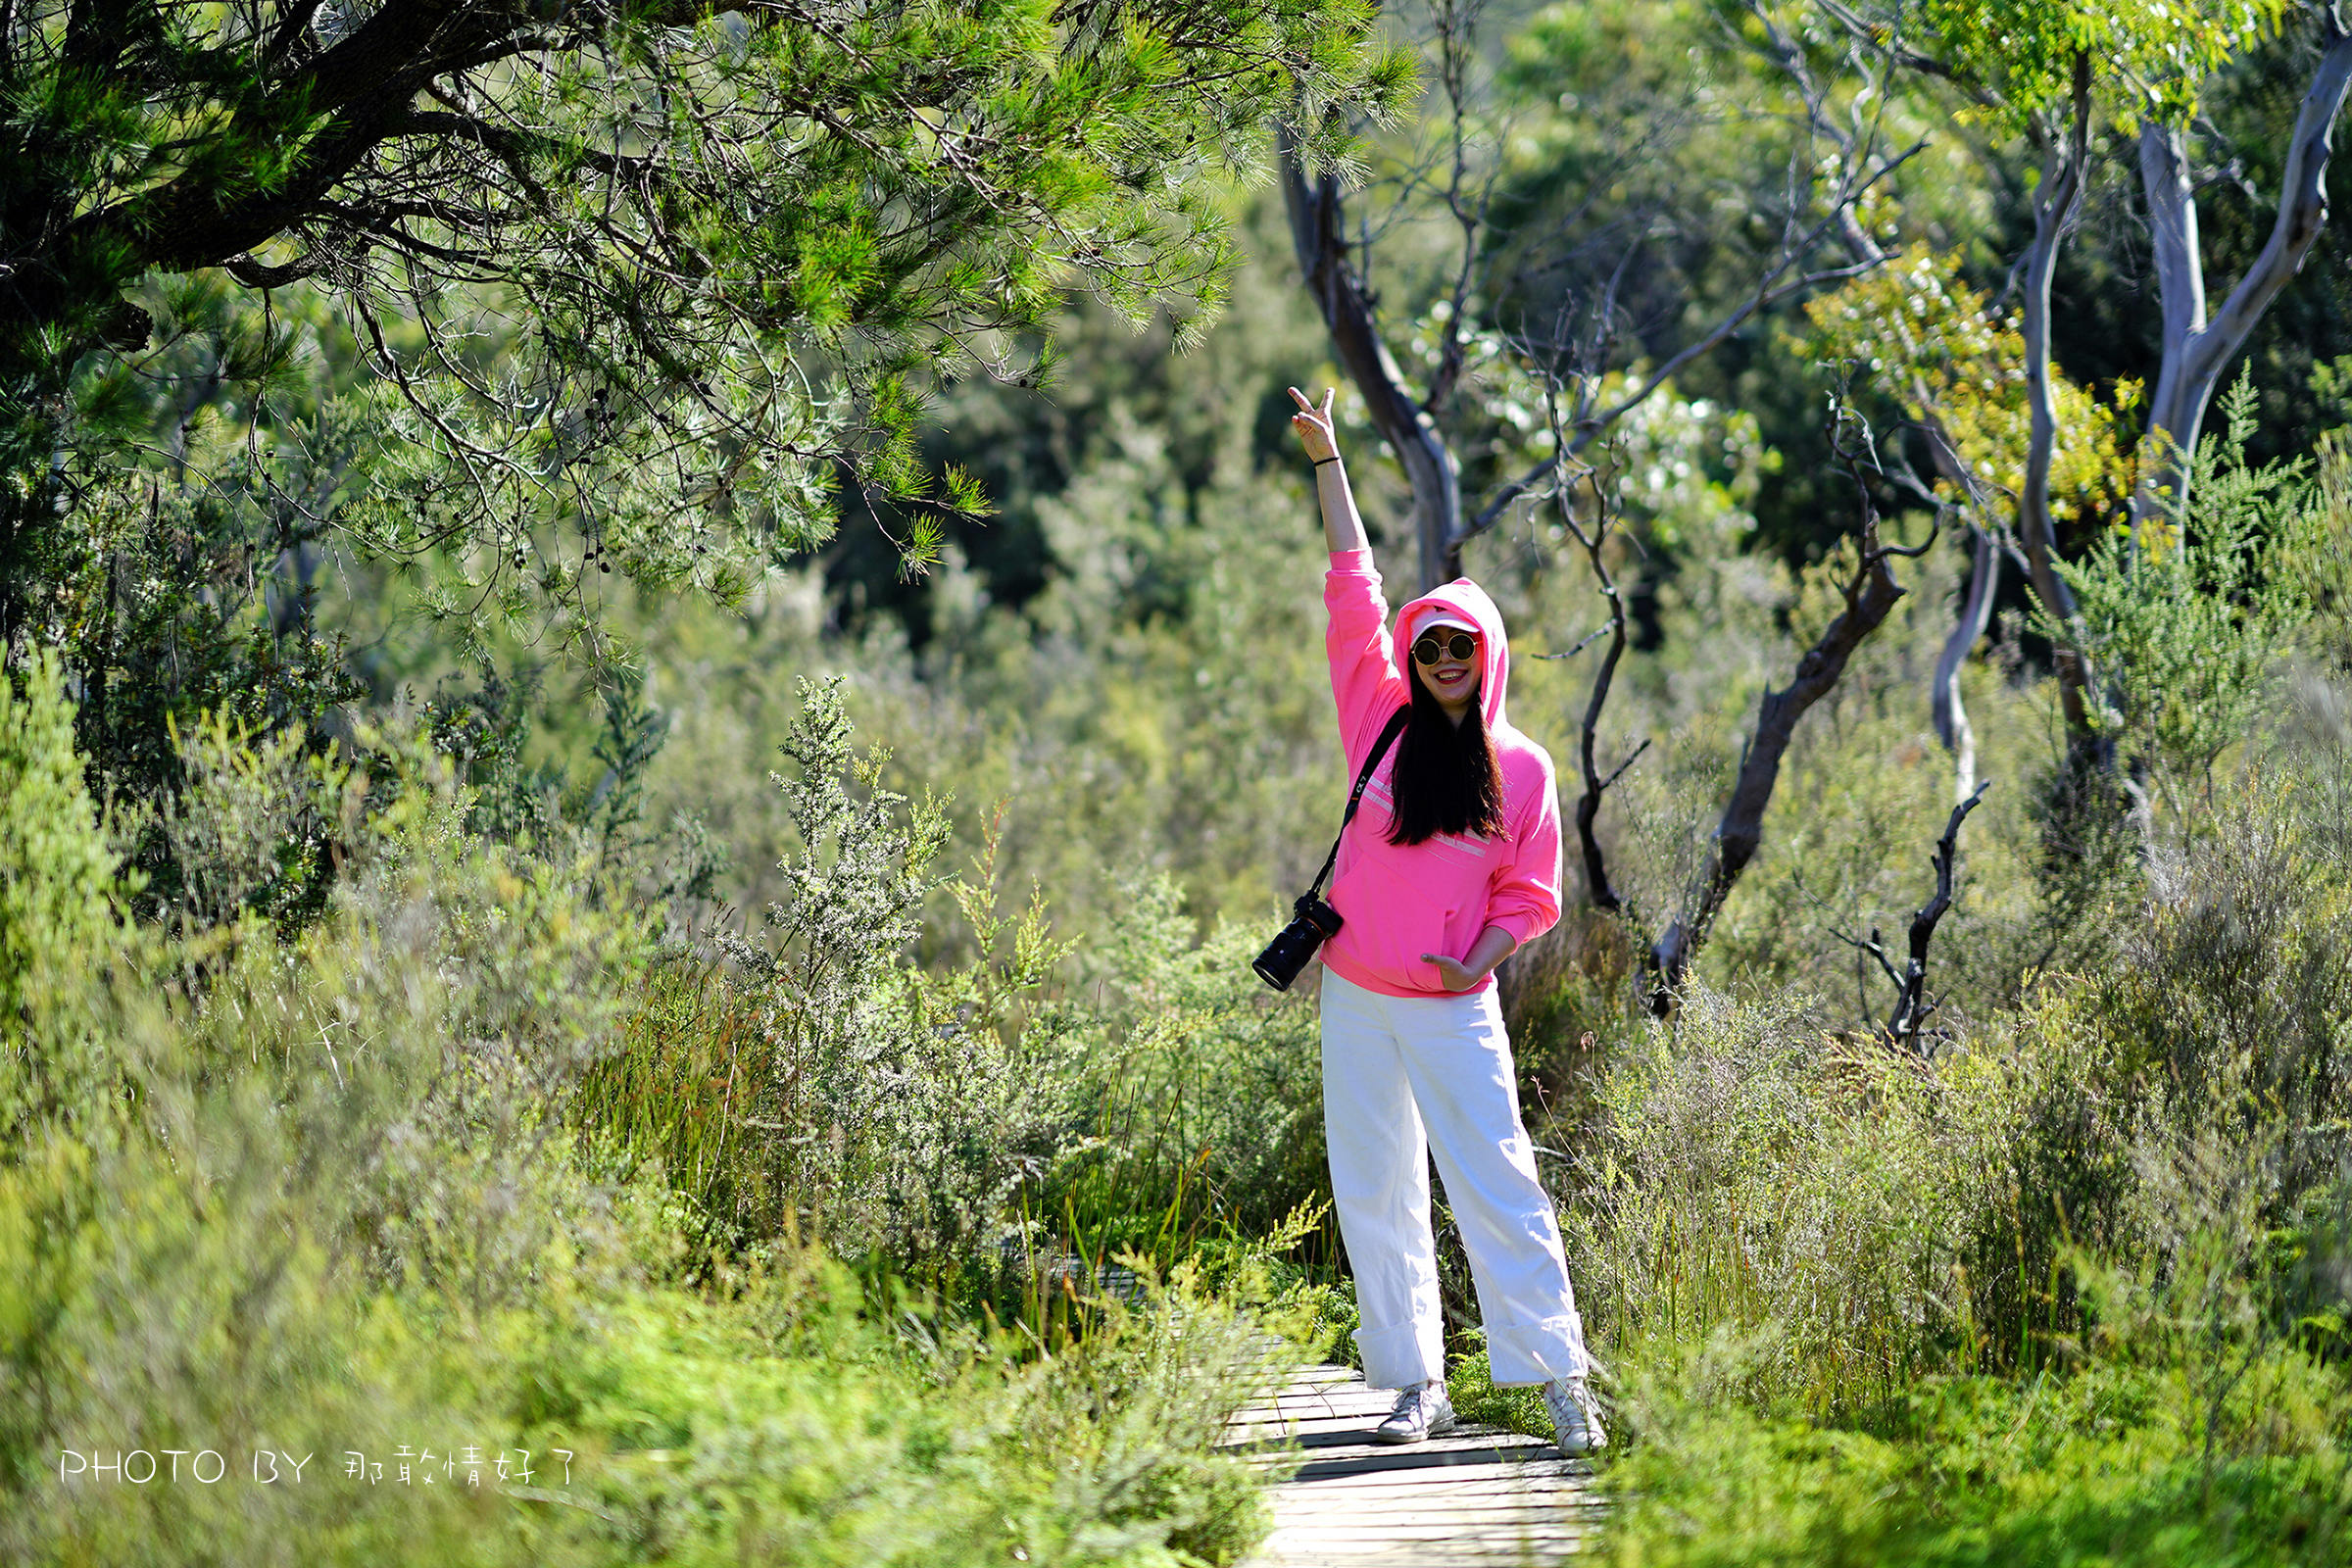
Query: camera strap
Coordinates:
[1380,747]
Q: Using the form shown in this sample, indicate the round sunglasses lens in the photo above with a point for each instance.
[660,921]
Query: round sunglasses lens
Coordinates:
[1459,646]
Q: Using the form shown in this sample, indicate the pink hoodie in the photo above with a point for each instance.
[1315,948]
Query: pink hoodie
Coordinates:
[1400,900]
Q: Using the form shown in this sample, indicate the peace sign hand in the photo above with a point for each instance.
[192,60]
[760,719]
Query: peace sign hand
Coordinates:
[1314,425]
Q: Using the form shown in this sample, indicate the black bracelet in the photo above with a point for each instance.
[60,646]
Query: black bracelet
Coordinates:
[1334,458]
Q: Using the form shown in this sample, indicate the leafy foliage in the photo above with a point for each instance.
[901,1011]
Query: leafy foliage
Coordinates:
[708,252]
[1938,343]
[349,1208]
[2025,52]
[2188,624]
[57,904]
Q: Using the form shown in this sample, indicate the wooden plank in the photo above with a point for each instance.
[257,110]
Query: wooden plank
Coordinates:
[1432,1521]
[1421,1554]
[1467,1485]
[1477,1498]
[1463,1527]
[1346,1490]
[1407,1513]
[1431,1547]
[1413,1502]
[1428,1548]
[1510,1448]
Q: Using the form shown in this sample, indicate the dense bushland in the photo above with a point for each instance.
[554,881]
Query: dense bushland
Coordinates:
[425,1022]
[700,1124]
[439,1170]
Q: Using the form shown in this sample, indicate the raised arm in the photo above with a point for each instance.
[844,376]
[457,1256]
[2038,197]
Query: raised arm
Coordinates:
[1340,525]
[1364,682]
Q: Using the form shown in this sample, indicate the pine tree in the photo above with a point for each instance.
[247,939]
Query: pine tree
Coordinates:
[658,273]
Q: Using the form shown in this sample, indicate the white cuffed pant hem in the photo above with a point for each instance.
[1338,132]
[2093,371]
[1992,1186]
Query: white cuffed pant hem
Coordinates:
[1400,1356]
[1524,1354]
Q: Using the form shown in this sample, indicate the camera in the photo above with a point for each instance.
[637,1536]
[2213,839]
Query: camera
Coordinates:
[1311,923]
[1314,920]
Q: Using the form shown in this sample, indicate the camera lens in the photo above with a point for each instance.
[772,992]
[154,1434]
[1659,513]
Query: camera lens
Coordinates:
[1287,954]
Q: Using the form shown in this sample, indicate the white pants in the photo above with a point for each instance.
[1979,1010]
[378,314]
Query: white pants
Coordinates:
[1394,1066]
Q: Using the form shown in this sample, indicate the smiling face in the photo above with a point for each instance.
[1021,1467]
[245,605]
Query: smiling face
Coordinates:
[1452,680]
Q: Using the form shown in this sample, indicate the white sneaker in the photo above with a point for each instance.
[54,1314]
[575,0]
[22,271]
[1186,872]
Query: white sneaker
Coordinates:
[1575,1416]
[1423,1411]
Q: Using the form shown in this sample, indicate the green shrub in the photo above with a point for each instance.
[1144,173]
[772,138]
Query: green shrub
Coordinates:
[2104,1466]
[57,905]
[2071,1291]
[354,1211]
[775,1420]
[1197,1101]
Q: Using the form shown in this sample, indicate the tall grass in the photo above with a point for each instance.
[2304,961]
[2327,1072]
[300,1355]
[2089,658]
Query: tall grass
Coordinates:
[389,1180]
[2073,1288]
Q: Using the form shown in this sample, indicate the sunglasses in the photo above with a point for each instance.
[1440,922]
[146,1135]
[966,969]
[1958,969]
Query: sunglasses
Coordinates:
[1461,645]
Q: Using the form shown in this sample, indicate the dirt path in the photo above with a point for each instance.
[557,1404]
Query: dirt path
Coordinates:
[1477,1498]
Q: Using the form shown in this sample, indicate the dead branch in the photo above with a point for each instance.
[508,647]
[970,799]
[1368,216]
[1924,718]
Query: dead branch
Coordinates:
[1912,1006]
[1875,948]
[1582,643]
[1870,596]
[1593,539]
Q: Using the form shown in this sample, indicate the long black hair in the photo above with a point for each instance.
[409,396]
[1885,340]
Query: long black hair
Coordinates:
[1447,778]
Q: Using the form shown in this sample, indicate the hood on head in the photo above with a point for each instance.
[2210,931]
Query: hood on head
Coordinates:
[1467,601]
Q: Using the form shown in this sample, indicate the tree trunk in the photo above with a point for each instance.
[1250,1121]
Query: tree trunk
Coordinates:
[1319,234]
[1952,728]
[2195,351]
[1869,598]
[2053,214]
[1911,1004]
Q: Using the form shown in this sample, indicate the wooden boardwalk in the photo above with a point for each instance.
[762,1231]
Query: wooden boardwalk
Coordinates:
[1477,1498]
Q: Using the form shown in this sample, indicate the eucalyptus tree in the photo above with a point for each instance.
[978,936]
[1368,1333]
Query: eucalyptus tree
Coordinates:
[640,283]
[2200,343]
[2052,85]
[1619,152]
[1637,185]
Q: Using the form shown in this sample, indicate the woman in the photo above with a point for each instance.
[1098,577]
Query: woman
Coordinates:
[1451,862]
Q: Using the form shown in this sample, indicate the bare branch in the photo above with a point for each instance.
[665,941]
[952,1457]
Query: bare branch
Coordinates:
[1631,758]
[1912,1006]
[1457,40]
[1870,595]
[1594,541]
[1771,290]
[1582,643]
[1876,948]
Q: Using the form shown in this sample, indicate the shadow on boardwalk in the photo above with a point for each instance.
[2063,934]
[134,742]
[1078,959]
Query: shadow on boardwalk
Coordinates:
[1477,1498]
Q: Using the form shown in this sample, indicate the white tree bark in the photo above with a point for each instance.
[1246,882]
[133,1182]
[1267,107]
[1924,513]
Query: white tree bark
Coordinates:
[2059,195]
[1952,728]
[2197,351]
